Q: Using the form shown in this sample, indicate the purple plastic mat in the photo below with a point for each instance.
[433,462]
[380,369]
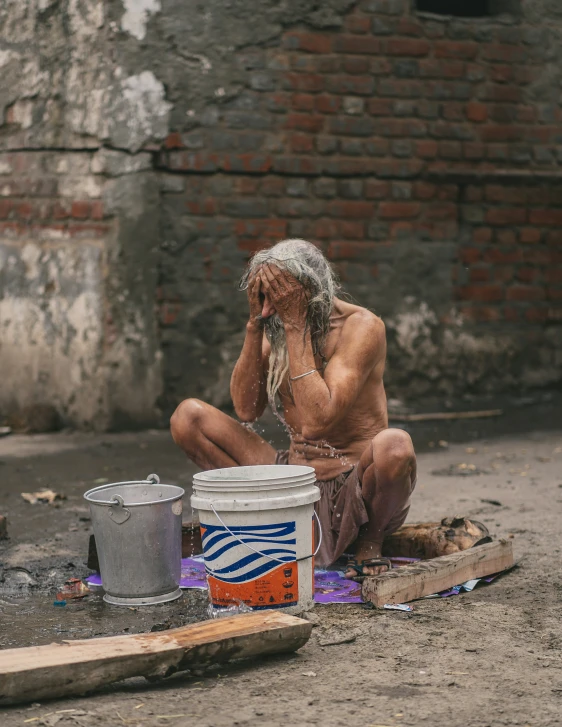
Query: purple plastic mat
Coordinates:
[330,586]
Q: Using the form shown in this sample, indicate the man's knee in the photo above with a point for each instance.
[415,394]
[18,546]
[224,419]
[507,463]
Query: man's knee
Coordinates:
[393,453]
[186,419]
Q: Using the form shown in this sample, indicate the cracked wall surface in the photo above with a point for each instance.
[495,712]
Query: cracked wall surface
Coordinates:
[147,149]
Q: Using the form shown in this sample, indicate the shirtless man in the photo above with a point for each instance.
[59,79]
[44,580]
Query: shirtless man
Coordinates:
[323,360]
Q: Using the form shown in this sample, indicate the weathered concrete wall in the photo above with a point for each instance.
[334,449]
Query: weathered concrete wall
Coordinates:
[149,148]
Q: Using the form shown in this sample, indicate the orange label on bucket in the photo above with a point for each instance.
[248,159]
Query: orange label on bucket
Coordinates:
[255,565]
[280,587]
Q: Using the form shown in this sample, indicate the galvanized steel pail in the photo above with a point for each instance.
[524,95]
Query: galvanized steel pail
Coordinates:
[137,527]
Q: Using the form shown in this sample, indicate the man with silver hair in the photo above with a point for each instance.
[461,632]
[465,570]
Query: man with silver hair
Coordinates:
[322,359]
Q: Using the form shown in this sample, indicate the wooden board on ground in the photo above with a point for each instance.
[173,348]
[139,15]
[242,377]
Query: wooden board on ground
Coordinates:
[431,576]
[74,667]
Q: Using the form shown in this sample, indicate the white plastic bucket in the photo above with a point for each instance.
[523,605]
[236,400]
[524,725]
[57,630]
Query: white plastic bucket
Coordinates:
[257,530]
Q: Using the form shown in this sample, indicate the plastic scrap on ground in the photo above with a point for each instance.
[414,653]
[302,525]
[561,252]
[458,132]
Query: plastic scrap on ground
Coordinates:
[47,496]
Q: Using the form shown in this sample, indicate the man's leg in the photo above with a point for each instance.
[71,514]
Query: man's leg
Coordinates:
[387,471]
[212,439]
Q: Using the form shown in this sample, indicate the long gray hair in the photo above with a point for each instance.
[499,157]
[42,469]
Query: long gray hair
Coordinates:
[308,265]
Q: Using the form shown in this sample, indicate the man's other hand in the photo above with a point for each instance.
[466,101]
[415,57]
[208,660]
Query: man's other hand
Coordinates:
[286,293]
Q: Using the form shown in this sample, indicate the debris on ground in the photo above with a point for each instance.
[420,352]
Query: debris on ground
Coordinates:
[3,527]
[463,469]
[4,431]
[73,588]
[46,496]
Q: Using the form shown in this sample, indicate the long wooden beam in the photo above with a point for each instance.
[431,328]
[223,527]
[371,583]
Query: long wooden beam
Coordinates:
[74,667]
[431,576]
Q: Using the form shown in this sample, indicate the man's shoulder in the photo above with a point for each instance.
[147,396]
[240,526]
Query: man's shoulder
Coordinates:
[366,321]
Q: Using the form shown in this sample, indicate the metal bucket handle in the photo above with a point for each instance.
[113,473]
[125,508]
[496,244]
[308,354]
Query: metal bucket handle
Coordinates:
[117,510]
[264,555]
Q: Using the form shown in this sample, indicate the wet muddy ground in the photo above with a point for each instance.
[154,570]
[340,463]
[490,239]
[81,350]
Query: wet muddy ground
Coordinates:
[490,657]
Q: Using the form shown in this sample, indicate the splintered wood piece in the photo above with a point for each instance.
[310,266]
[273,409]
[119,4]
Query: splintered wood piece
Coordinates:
[431,540]
[431,576]
[74,667]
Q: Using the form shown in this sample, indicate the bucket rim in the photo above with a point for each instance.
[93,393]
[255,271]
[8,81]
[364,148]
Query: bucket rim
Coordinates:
[214,476]
[88,493]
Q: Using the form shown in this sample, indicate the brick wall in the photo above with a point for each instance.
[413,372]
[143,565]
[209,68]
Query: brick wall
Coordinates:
[422,155]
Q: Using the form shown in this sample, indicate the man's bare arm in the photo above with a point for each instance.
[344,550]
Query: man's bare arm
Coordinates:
[323,401]
[248,382]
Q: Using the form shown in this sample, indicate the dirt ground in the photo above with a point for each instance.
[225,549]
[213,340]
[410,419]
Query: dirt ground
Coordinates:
[490,657]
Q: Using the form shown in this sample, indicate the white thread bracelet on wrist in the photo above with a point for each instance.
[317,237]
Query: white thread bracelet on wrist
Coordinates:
[301,376]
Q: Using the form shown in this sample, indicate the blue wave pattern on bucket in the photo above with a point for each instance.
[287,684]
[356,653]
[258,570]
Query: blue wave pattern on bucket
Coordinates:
[137,527]
[256,535]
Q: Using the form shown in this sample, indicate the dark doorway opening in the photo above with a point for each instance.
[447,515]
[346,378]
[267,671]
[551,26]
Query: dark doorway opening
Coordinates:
[460,8]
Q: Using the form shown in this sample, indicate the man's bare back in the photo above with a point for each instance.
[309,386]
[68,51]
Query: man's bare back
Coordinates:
[340,445]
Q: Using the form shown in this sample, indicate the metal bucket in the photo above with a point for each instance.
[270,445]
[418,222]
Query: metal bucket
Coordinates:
[137,527]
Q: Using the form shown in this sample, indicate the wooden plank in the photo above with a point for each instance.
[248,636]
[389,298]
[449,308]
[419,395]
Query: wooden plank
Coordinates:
[431,540]
[74,667]
[445,415]
[431,576]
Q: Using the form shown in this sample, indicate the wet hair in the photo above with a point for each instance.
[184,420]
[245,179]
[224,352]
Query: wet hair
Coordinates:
[308,265]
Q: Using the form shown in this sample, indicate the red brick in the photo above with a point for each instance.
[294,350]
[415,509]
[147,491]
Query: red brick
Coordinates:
[501,133]
[351,250]
[506,216]
[380,106]
[272,229]
[530,235]
[301,143]
[357,45]
[6,206]
[305,81]
[398,210]
[407,47]
[441,68]
[501,74]
[354,85]
[479,275]
[484,293]
[450,149]
[501,257]
[304,122]
[246,185]
[498,92]
[506,237]
[427,149]
[509,195]
[80,210]
[474,150]
[554,294]
[511,314]
[469,255]
[441,211]
[407,26]
[554,237]
[452,111]
[173,141]
[424,190]
[309,42]
[251,163]
[325,229]
[503,53]
[545,217]
[528,275]
[553,275]
[473,193]
[356,64]
[477,112]
[504,273]
[375,189]
[302,101]
[351,230]
[202,207]
[169,312]
[525,293]
[527,114]
[61,210]
[455,49]
[537,256]
[536,315]
[480,314]
[356,23]
[339,208]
